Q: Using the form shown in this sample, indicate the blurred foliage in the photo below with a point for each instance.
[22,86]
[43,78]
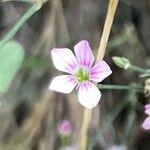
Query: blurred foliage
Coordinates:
[36,63]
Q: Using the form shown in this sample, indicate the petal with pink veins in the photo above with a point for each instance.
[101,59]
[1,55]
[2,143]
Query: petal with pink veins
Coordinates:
[146,123]
[64,60]
[100,71]
[88,95]
[63,83]
[84,54]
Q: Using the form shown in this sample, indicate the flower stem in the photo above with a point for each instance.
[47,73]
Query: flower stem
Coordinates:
[19,24]
[120,87]
[138,69]
[101,51]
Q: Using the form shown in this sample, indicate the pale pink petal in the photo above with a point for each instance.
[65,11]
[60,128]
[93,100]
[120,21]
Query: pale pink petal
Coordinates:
[63,83]
[147,106]
[64,60]
[147,111]
[89,95]
[84,53]
[146,123]
[100,71]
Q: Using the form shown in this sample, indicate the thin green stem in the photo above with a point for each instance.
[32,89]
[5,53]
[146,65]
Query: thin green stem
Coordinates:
[19,24]
[138,69]
[120,87]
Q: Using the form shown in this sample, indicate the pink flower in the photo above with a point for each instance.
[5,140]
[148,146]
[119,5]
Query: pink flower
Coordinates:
[146,123]
[64,128]
[81,73]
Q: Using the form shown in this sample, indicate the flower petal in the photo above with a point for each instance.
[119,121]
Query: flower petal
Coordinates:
[84,53]
[64,60]
[100,71]
[147,111]
[147,106]
[88,95]
[146,123]
[63,83]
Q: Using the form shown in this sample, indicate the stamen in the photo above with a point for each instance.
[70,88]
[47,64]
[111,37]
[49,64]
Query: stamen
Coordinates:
[82,75]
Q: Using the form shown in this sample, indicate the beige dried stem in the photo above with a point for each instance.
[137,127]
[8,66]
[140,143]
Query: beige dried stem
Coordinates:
[101,51]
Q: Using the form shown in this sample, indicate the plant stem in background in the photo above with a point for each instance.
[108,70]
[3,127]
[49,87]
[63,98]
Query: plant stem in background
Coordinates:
[84,129]
[138,69]
[107,27]
[134,87]
[19,24]
[101,51]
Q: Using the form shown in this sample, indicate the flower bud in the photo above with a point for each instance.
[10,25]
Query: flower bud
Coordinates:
[64,127]
[121,62]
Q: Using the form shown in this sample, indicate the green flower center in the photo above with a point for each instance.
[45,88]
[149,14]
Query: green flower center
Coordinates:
[82,75]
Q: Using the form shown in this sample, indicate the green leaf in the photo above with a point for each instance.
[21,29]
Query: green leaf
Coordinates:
[11,56]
